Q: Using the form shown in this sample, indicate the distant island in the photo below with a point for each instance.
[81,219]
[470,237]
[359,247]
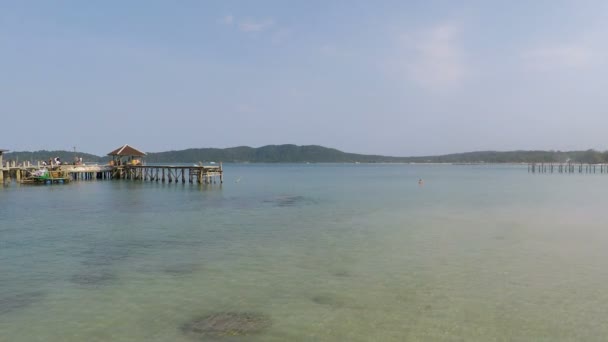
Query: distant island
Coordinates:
[320,154]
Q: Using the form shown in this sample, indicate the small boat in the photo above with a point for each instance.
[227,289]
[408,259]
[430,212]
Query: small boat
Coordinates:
[44,176]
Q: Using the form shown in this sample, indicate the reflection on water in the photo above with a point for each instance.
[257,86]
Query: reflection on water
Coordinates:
[308,253]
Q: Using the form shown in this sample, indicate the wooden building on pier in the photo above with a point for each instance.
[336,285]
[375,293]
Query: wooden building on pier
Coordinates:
[126,155]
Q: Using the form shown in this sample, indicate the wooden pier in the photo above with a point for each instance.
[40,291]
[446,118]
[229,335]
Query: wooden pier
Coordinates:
[567,168]
[201,174]
[125,165]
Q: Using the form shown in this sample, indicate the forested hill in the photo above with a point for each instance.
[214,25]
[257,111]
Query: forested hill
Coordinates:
[267,154]
[319,154]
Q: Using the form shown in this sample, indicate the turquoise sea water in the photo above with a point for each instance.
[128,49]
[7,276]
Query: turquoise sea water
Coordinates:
[313,252]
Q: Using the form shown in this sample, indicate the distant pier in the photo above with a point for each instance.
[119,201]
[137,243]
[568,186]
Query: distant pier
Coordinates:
[567,168]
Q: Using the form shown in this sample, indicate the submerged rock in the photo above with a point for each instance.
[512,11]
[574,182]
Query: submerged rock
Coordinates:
[94,278]
[341,273]
[227,324]
[19,301]
[329,300]
[290,201]
[103,255]
[181,269]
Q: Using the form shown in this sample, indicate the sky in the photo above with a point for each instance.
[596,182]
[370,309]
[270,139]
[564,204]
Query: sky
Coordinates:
[399,78]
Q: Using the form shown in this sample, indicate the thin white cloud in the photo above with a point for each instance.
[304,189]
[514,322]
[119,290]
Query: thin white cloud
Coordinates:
[227,20]
[433,58]
[277,34]
[559,57]
[255,26]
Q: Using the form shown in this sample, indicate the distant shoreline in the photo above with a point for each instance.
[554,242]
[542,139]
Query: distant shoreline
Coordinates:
[320,154]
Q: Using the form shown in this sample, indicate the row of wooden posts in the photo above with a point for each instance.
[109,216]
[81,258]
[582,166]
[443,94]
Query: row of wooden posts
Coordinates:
[170,174]
[7,174]
[197,174]
[567,168]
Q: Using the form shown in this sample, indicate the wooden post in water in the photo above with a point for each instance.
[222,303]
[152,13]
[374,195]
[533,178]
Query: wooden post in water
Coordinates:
[221,174]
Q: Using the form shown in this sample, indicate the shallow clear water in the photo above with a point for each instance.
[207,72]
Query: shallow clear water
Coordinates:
[323,252]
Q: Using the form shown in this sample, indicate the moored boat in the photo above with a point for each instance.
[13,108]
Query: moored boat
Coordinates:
[44,176]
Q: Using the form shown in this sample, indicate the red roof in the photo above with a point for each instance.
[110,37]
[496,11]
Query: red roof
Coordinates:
[127,151]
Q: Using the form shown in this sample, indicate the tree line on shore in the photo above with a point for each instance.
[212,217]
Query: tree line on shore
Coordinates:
[319,154]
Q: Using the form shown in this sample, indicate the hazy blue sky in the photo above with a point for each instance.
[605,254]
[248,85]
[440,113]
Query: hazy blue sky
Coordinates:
[387,77]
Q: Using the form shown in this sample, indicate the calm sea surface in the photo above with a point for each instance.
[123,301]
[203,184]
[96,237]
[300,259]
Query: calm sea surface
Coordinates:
[309,253]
